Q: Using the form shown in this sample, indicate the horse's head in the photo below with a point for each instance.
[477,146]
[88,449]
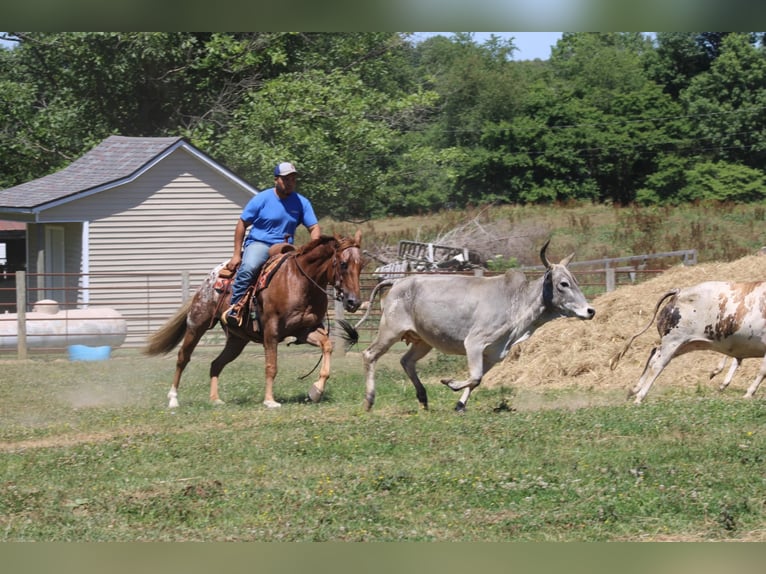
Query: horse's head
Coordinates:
[347,269]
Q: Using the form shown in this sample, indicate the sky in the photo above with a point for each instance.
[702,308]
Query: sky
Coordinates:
[530,45]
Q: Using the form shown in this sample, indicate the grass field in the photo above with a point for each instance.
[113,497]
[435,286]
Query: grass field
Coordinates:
[90,452]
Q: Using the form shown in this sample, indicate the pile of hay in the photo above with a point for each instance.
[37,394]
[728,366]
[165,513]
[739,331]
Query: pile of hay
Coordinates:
[570,352]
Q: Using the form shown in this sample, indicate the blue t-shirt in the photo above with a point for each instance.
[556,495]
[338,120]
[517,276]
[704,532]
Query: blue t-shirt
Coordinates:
[271,218]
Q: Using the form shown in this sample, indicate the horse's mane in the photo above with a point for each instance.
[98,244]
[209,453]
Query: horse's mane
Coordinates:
[343,243]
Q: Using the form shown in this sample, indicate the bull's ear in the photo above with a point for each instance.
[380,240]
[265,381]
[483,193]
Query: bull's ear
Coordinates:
[543,257]
[566,261]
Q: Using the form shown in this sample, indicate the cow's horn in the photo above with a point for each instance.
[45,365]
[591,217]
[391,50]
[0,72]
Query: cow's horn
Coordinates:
[543,258]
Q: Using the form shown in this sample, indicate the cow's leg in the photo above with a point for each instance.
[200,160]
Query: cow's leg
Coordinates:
[417,351]
[658,360]
[735,362]
[231,351]
[320,338]
[719,367]
[759,377]
[476,371]
[370,355]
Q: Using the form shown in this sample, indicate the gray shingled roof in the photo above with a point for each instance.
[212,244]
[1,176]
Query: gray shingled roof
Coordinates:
[114,159]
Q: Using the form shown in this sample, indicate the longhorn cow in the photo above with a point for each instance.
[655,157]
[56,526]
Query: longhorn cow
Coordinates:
[480,317]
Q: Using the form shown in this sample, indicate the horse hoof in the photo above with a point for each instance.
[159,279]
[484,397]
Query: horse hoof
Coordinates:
[218,402]
[173,404]
[271,404]
[315,394]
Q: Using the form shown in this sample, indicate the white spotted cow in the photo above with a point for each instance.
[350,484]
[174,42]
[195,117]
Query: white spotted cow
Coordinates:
[729,318]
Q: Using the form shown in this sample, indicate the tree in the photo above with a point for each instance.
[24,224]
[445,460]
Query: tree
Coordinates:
[727,105]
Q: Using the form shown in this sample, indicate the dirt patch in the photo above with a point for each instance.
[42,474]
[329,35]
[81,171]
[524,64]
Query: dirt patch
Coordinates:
[572,353]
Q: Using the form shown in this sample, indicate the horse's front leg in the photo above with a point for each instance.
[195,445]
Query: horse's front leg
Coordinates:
[320,338]
[270,345]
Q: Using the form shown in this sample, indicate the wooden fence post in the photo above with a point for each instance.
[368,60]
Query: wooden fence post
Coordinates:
[21,314]
[611,279]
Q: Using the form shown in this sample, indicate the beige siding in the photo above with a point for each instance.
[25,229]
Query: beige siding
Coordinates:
[178,217]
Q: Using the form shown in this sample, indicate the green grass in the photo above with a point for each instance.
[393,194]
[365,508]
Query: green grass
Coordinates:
[89,452]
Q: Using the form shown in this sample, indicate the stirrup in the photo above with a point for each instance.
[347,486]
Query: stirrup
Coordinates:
[231,320]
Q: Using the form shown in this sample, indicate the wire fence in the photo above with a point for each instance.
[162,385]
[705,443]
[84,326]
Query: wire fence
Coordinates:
[47,313]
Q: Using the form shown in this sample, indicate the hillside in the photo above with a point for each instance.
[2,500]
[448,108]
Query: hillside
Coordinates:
[572,353]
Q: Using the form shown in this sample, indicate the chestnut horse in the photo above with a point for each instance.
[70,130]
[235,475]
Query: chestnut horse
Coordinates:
[294,304]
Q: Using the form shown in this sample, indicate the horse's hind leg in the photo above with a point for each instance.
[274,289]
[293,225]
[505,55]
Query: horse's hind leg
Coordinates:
[189,343]
[232,350]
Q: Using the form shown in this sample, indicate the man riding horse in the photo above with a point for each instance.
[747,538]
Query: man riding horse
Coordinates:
[272,215]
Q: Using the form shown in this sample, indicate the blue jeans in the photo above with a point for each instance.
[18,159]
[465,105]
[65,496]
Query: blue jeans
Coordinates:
[253,258]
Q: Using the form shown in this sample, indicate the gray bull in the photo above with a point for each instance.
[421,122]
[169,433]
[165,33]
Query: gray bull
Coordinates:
[480,317]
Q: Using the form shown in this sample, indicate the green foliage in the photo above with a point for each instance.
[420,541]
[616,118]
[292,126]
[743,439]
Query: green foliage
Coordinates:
[500,263]
[381,125]
[723,182]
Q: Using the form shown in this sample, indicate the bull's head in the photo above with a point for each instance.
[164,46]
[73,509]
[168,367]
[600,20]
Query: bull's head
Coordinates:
[561,293]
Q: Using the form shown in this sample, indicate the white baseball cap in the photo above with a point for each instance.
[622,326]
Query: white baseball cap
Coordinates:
[284,168]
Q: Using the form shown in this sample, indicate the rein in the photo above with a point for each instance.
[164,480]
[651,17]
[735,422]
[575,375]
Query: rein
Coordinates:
[335,263]
[336,284]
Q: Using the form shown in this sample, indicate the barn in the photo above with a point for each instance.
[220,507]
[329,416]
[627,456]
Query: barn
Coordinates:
[130,212]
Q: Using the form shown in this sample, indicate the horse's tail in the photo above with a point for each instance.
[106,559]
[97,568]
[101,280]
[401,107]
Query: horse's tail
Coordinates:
[616,359]
[350,334]
[170,334]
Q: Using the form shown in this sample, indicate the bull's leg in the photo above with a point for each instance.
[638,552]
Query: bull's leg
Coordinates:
[231,351]
[719,367]
[476,371]
[658,360]
[191,338]
[417,351]
[370,355]
[320,338]
[735,363]
[758,378]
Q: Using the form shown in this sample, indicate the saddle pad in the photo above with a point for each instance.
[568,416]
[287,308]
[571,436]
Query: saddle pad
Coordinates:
[268,270]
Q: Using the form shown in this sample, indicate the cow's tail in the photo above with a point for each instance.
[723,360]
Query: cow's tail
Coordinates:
[350,334]
[616,359]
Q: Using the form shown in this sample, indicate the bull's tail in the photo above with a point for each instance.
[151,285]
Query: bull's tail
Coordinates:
[616,359]
[350,334]
[170,334]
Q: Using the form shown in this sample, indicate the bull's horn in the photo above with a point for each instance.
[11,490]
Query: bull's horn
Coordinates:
[543,258]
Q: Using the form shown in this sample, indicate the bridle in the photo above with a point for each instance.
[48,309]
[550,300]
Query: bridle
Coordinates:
[335,265]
